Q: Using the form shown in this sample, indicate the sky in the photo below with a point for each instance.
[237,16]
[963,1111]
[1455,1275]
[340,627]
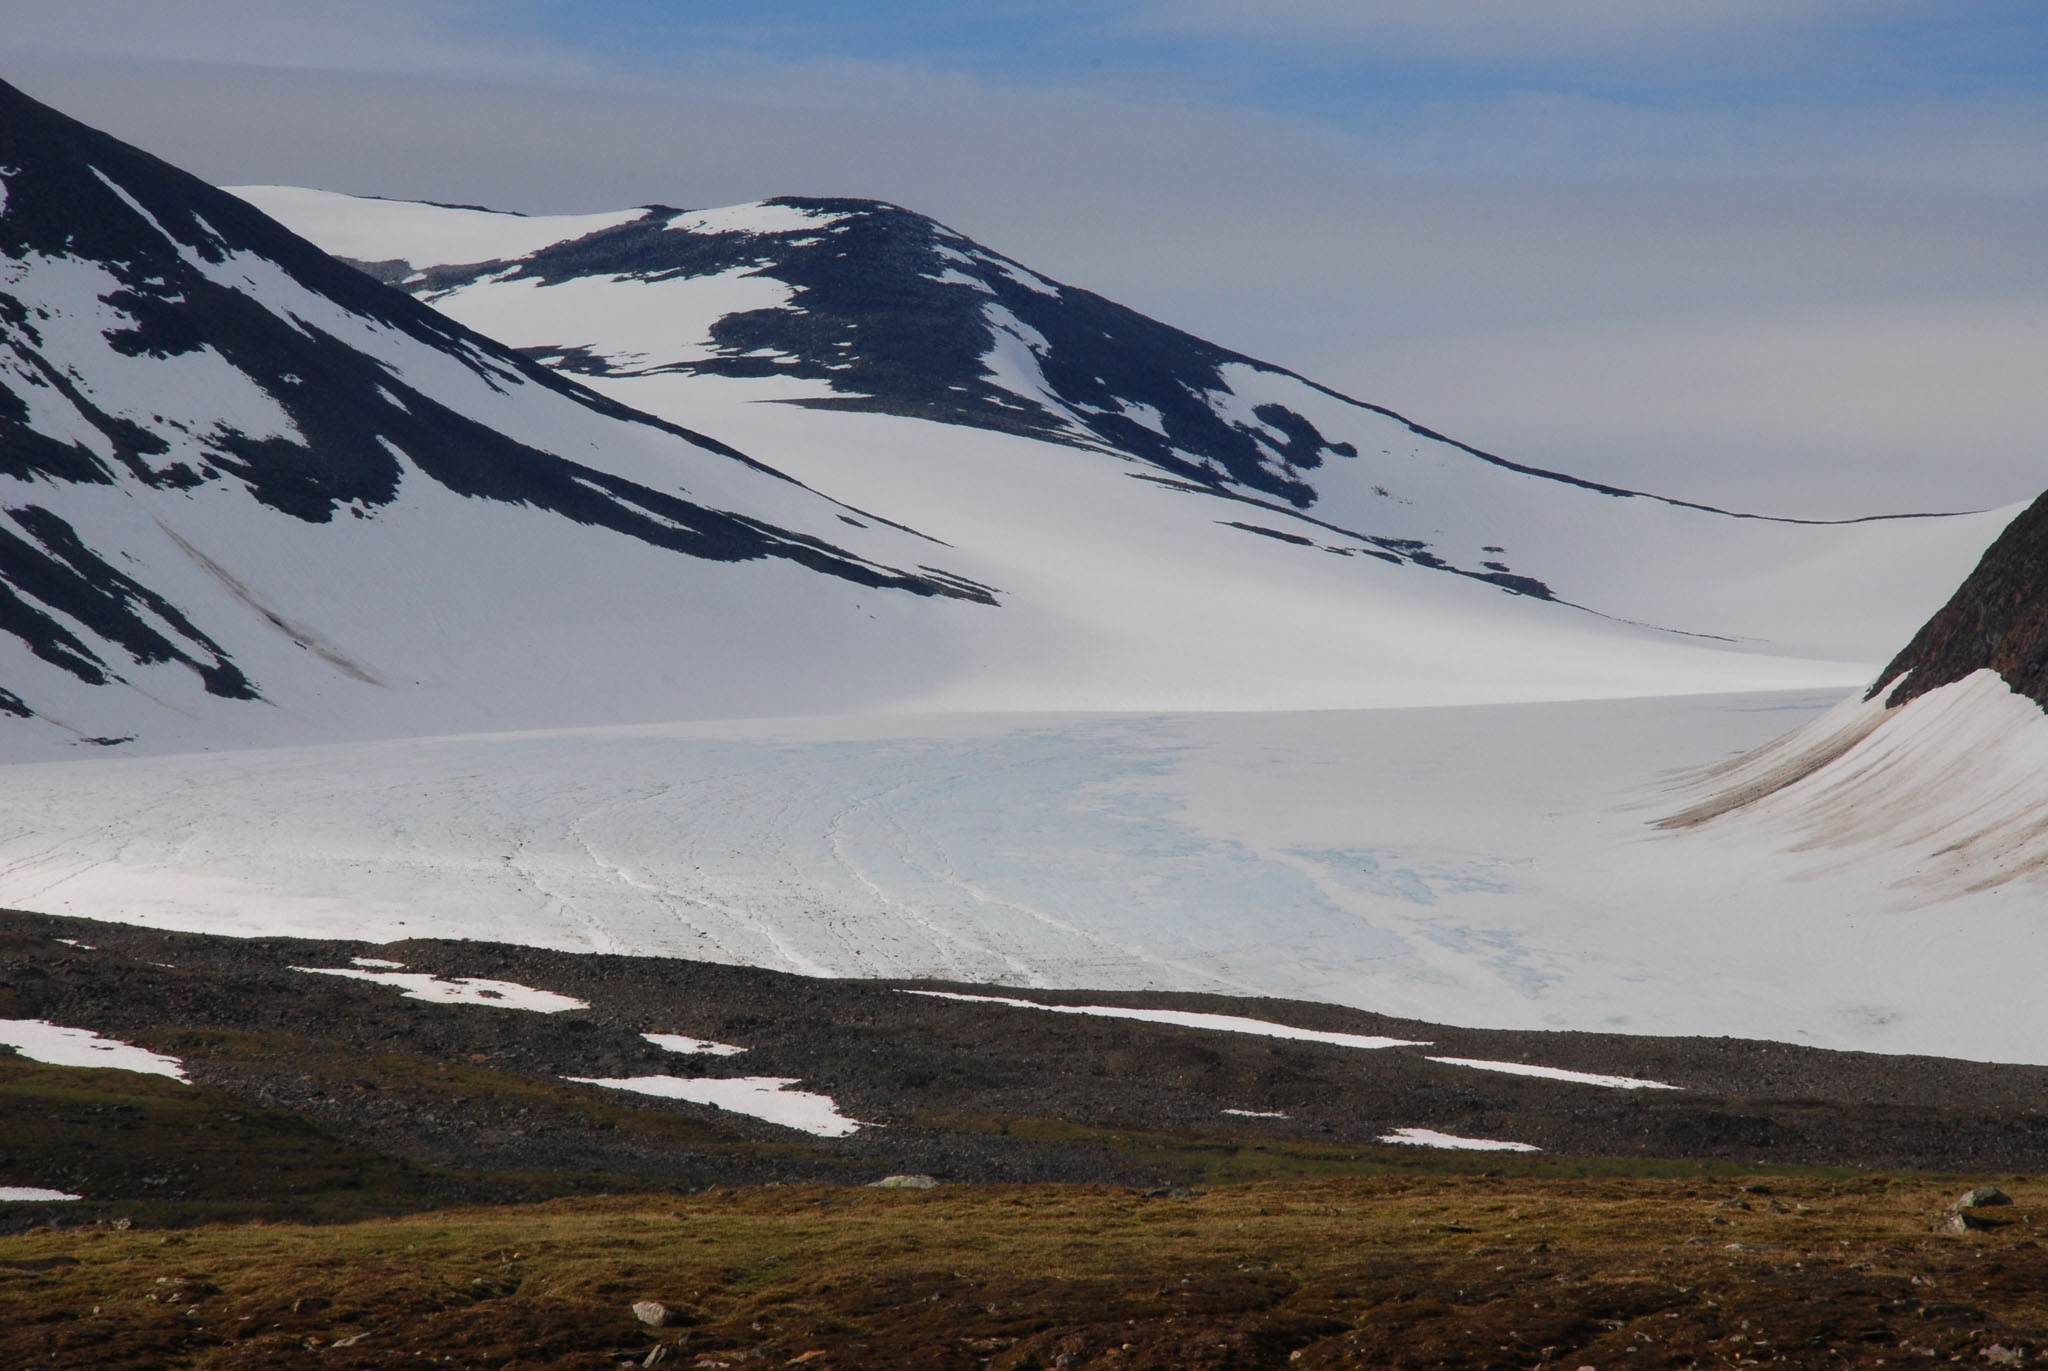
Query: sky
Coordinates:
[1779,255]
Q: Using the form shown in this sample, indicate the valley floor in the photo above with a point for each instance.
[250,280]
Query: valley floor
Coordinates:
[1491,866]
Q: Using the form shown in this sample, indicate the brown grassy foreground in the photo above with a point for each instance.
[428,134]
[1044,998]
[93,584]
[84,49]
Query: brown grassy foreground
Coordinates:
[1367,1271]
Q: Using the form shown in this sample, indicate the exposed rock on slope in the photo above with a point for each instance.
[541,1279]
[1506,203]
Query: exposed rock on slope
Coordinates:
[1997,620]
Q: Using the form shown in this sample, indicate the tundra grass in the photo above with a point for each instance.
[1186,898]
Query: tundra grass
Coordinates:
[1412,1270]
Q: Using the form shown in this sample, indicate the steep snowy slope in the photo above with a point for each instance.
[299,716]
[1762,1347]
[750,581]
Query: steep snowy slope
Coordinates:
[850,305]
[1938,773]
[247,493]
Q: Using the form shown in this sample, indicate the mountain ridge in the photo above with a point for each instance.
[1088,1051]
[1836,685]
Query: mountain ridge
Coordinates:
[632,247]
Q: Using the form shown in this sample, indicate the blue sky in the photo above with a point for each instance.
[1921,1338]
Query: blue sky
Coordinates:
[1778,253]
[1346,62]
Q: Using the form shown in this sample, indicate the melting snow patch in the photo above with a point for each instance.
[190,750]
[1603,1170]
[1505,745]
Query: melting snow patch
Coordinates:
[29,1194]
[418,985]
[752,218]
[1552,1073]
[376,963]
[1429,1137]
[1257,1113]
[82,947]
[764,1097]
[681,1042]
[39,1040]
[1183,1018]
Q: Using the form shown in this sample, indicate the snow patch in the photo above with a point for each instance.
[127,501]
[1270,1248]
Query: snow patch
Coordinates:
[39,1040]
[1257,1113]
[1552,1073]
[1183,1018]
[1429,1137]
[1024,277]
[953,276]
[764,1097]
[680,1042]
[754,217]
[419,985]
[29,1194]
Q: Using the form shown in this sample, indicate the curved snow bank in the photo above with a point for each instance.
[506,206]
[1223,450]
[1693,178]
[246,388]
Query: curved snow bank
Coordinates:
[39,1040]
[1952,787]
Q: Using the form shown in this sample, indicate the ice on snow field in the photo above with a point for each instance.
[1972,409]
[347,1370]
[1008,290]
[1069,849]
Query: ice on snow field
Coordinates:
[1492,866]
[764,1097]
[1181,1018]
[418,985]
[1429,1137]
[39,1040]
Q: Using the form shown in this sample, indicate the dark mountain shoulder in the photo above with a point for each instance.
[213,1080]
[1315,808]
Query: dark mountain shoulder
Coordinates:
[1997,619]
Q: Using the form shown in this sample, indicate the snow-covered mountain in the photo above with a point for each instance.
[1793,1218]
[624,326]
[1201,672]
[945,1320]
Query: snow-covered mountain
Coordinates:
[247,493]
[250,494]
[838,306]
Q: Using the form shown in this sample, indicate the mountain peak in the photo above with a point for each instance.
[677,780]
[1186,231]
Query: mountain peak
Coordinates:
[891,311]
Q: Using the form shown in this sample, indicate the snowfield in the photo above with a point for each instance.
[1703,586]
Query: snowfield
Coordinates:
[1491,866]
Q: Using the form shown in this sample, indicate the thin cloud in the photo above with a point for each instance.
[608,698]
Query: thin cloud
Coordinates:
[1521,31]
[453,38]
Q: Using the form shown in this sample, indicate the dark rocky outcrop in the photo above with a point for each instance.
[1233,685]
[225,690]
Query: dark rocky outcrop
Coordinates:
[1997,619]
